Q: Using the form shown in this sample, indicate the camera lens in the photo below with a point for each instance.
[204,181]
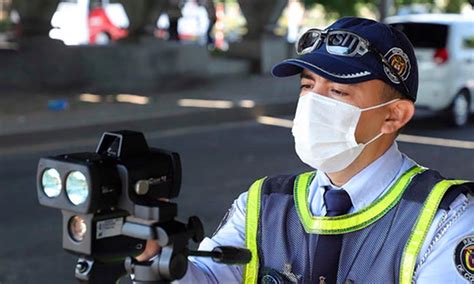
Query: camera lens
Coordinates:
[77,228]
[51,182]
[77,189]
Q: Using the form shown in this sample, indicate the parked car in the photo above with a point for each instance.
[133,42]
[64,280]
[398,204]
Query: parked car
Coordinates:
[69,22]
[75,23]
[444,48]
[107,22]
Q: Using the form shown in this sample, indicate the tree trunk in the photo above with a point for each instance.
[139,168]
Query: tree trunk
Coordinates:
[142,13]
[260,45]
[261,15]
[35,16]
[385,8]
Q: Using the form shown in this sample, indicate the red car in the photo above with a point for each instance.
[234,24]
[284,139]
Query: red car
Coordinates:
[101,29]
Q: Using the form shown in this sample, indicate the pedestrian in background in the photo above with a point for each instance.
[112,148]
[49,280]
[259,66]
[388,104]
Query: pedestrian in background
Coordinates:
[211,13]
[173,10]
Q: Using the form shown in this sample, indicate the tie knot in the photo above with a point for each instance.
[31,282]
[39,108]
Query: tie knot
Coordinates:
[337,201]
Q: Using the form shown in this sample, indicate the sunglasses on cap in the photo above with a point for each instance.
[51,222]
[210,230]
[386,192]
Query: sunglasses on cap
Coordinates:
[342,43]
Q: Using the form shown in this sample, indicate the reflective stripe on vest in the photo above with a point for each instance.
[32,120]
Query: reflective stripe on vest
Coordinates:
[414,243]
[421,227]
[251,229]
[323,225]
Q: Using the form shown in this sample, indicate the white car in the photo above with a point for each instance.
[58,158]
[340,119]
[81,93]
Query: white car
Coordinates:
[69,22]
[444,48]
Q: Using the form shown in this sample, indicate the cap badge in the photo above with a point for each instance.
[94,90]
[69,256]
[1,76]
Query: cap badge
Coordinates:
[399,61]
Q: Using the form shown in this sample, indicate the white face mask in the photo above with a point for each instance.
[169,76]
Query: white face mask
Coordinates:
[324,131]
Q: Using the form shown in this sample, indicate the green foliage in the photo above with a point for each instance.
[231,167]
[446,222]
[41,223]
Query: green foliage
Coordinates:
[5,25]
[340,8]
[399,3]
[454,6]
[337,8]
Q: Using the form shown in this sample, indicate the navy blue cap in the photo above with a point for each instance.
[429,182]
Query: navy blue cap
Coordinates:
[389,41]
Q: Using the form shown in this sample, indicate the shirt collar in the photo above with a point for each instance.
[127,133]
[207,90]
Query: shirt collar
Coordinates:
[372,181]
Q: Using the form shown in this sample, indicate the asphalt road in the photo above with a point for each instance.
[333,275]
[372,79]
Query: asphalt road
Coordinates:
[219,162]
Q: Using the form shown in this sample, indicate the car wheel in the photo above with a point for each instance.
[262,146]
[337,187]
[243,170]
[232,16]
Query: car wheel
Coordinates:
[460,109]
[102,39]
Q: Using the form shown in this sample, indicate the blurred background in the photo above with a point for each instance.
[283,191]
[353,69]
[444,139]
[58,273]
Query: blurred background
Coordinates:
[194,77]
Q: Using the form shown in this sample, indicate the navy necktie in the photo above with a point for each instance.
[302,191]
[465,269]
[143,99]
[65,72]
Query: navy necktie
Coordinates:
[328,249]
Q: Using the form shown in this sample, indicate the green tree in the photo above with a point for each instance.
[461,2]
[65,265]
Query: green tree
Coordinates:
[338,8]
[454,6]
[408,2]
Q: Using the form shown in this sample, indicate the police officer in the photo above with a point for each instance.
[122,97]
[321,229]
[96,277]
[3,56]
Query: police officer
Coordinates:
[368,213]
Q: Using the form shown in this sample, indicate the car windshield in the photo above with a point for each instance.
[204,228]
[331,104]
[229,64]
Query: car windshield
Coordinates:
[424,35]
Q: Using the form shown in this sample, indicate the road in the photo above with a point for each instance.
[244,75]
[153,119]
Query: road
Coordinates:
[219,162]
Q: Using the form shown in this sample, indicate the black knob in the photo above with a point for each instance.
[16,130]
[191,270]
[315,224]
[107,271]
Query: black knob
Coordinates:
[196,228]
[231,255]
[178,266]
[82,266]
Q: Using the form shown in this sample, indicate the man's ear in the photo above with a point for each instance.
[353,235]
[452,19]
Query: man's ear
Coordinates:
[399,114]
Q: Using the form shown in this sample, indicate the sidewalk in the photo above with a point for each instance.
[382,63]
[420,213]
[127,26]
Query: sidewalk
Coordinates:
[28,114]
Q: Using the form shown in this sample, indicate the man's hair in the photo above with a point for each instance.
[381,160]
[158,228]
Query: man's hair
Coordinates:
[390,93]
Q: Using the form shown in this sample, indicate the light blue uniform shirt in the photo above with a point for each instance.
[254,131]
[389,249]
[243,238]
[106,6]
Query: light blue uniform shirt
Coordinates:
[435,263]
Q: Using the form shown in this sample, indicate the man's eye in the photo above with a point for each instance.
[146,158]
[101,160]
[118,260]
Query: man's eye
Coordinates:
[305,86]
[338,92]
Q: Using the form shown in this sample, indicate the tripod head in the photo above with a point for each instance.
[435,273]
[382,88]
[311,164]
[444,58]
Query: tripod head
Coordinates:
[115,199]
